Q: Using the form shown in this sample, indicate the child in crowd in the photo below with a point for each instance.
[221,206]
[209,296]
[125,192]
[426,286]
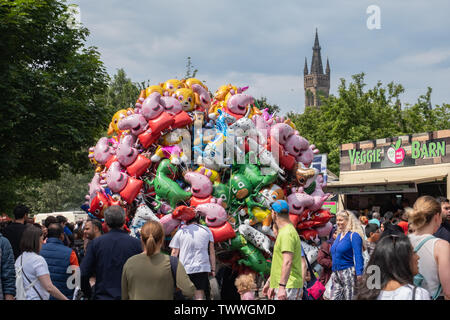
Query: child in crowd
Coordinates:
[373,235]
[245,283]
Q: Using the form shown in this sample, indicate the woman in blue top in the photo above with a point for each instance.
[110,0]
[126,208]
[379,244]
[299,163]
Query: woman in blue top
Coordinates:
[347,258]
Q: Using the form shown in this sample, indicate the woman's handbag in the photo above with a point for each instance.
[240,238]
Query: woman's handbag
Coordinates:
[314,288]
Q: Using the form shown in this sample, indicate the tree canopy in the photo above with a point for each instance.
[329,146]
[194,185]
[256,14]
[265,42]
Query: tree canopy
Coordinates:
[357,114]
[48,93]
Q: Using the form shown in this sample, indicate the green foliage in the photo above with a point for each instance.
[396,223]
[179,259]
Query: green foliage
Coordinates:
[122,93]
[189,72]
[50,114]
[63,194]
[356,114]
[262,103]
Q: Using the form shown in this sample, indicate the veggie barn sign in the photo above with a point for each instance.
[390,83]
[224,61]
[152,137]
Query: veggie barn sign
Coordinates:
[411,150]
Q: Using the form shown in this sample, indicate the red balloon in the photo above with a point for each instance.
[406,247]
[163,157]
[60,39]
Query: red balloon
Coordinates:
[286,160]
[181,119]
[110,161]
[308,234]
[161,123]
[148,137]
[222,233]
[131,190]
[139,166]
[196,201]
[322,216]
[99,203]
[308,224]
[184,213]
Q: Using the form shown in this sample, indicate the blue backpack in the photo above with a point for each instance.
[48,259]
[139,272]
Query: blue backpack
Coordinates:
[418,278]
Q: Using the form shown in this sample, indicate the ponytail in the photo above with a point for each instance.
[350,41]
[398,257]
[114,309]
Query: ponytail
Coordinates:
[425,208]
[150,245]
[152,233]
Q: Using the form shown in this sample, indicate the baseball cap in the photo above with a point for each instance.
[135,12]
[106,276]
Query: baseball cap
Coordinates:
[375,221]
[280,206]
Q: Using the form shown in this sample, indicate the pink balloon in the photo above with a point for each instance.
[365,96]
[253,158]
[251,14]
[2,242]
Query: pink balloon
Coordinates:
[324,231]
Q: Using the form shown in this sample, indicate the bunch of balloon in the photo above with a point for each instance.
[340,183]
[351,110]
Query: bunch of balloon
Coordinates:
[183,152]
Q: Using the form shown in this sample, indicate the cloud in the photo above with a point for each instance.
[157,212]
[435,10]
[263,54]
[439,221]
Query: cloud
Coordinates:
[425,59]
[263,43]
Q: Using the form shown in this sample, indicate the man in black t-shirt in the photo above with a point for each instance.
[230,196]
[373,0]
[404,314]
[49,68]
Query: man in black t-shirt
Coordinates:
[13,232]
[444,230]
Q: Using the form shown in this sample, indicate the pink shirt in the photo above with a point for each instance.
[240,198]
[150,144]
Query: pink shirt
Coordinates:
[249,295]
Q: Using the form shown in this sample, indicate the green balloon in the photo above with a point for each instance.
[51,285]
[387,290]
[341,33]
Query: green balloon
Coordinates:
[253,175]
[222,191]
[166,188]
[237,242]
[254,259]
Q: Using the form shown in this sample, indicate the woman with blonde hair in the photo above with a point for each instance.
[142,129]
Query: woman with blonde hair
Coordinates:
[347,256]
[434,253]
[148,276]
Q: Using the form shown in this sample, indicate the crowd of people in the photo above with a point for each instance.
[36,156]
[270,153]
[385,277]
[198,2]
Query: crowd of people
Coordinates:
[395,256]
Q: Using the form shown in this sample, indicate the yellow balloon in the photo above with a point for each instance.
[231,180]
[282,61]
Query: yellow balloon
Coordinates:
[151,89]
[190,81]
[186,97]
[113,126]
[214,177]
[172,85]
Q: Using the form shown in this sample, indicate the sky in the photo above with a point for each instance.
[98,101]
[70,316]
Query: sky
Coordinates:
[263,44]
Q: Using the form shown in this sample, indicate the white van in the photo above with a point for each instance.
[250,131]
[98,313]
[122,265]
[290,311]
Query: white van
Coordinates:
[72,216]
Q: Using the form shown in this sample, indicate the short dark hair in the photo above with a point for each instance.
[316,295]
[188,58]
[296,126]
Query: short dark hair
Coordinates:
[30,239]
[388,216]
[49,220]
[20,211]
[391,229]
[442,200]
[114,217]
[55,230]
[61,219]
[371,228]
[96,223]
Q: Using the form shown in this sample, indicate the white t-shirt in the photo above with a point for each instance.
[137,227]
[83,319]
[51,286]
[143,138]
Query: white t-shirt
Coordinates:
[404,293]
[193,241]
[34,266]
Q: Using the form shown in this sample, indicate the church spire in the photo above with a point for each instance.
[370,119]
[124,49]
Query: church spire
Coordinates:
[327,69]
[316,63]
[305,70]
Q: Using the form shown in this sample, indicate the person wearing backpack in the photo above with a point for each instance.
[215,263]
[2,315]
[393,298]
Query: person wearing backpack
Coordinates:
[7,271]
[32,275]
[61,260]
[434,253]
[390,272]
[149,275]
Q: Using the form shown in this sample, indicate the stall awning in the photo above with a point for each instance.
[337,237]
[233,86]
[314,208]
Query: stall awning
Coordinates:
[380,185]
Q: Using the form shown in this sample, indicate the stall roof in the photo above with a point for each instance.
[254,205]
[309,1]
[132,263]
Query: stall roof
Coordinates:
[386,180]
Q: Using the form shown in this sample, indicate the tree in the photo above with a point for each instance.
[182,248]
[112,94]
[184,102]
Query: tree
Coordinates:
[262,103]
[49,93]
[357,115]
[63,194]
[122,93]
[189,72]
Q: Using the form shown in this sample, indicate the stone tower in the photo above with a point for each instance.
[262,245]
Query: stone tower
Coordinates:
[316,81]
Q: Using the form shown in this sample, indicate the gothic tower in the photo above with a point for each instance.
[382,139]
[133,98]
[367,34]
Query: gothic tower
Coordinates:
[316,81]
